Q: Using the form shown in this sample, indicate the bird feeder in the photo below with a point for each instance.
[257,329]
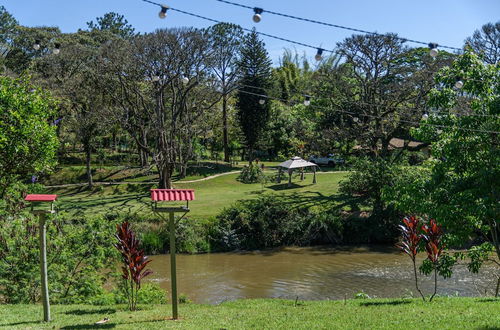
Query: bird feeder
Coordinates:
[172,195]
[39,207]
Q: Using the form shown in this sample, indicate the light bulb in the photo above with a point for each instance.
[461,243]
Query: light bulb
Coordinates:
[185,80]
[57,49]
[318,56]
[36,45]
[434,51]
[425,116]
[356,119]
[262,101]
[257,16]
[307,100]
[155,78]
[163,12]
[459,84]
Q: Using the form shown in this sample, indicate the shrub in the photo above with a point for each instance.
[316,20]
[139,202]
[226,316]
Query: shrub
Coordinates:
[251,174]
[134,263]
[79,252]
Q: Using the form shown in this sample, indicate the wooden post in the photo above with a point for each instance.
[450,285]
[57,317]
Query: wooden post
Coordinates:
[289,178]
[43,267]
[173,271]
[314,177]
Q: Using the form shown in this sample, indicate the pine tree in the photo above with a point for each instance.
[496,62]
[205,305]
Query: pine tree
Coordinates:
[253,106]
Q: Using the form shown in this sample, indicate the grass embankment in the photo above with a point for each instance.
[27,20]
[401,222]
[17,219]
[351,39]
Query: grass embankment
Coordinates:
[443,313]
[212,195]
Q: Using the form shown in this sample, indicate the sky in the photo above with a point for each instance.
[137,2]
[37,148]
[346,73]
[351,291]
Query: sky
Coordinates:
[446,22]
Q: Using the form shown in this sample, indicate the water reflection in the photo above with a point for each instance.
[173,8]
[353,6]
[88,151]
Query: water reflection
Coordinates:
[307,273]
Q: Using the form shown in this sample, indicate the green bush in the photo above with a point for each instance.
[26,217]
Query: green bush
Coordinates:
[269,222]
[251,174]
[78,251]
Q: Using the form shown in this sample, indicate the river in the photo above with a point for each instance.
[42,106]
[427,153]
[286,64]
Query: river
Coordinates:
[309,274]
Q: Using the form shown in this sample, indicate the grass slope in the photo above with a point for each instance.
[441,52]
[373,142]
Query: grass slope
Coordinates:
[212,195]
[443,313]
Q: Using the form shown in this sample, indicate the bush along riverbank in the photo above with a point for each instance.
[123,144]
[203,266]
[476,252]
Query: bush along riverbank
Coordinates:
[442,313]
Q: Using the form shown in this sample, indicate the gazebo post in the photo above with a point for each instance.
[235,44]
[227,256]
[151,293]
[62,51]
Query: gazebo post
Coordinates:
[290,177]
[301,174]
[314,175]
[279,175]
[42,217]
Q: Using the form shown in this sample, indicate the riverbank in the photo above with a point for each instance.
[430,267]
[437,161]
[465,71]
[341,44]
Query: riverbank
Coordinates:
[442,313]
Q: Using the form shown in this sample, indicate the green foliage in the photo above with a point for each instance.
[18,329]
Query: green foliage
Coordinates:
[80,253]
[114,23]
[268,222]
[251,174]
[28,141]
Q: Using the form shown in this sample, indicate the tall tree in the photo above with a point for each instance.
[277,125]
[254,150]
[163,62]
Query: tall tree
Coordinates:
[226,42]
[253,107]
[486,42]
[161,83]
[113,23]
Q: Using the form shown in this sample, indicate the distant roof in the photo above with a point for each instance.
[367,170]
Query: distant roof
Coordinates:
[399,143]
[164,195]
[40,198]
[296,162]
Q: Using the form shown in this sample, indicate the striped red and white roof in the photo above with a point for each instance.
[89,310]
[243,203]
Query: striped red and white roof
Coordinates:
[164,195]
[40,198]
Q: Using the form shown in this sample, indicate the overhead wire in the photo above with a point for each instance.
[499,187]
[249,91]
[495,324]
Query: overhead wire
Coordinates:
[333,25]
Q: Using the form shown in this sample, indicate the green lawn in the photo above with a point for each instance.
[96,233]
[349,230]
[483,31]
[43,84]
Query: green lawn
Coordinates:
[443,313]
[212,195]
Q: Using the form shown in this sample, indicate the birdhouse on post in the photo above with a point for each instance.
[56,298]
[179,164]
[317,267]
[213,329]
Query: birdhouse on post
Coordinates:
[39,207]
[172,195]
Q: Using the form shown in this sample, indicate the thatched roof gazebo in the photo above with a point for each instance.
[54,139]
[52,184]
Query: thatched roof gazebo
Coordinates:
[293,164]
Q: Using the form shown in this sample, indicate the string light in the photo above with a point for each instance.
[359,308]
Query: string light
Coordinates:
[307,100]
[356,119]
[155,78]
[425,116]
[57,48]
[459,84]
[262,101]
[333,25]
[185,80]
[257,14]
[36,45]
[163,12]
[433,49]
[319,54]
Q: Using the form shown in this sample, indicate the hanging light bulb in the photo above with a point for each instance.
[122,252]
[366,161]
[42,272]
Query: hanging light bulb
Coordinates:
[356,119]
[319,55]
[262,101]
[155,78]
[257,14]
[434,51]
[307,100]
[163,12]
[459,84]
[57,48]
[36,45]
[185,80]
[425,116]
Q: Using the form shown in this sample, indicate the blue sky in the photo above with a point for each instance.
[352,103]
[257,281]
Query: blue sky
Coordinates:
[447,22]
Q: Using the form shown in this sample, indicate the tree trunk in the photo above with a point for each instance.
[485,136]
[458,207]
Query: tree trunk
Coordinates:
[224,129]
[165,177]
[87,162]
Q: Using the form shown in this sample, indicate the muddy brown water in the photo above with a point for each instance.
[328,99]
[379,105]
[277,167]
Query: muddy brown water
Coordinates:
[309,274]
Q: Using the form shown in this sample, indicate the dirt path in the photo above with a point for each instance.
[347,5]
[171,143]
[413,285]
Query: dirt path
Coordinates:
[153,182]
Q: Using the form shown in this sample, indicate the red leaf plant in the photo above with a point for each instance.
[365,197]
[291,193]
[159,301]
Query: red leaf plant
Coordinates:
[410,240]
[134,262]
[432,236]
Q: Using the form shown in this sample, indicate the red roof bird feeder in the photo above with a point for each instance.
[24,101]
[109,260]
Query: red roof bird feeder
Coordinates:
[172,195]
[36,199]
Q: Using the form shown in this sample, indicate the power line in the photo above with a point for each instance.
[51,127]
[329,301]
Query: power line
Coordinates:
[365,115]
[245,29]
[331,25]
